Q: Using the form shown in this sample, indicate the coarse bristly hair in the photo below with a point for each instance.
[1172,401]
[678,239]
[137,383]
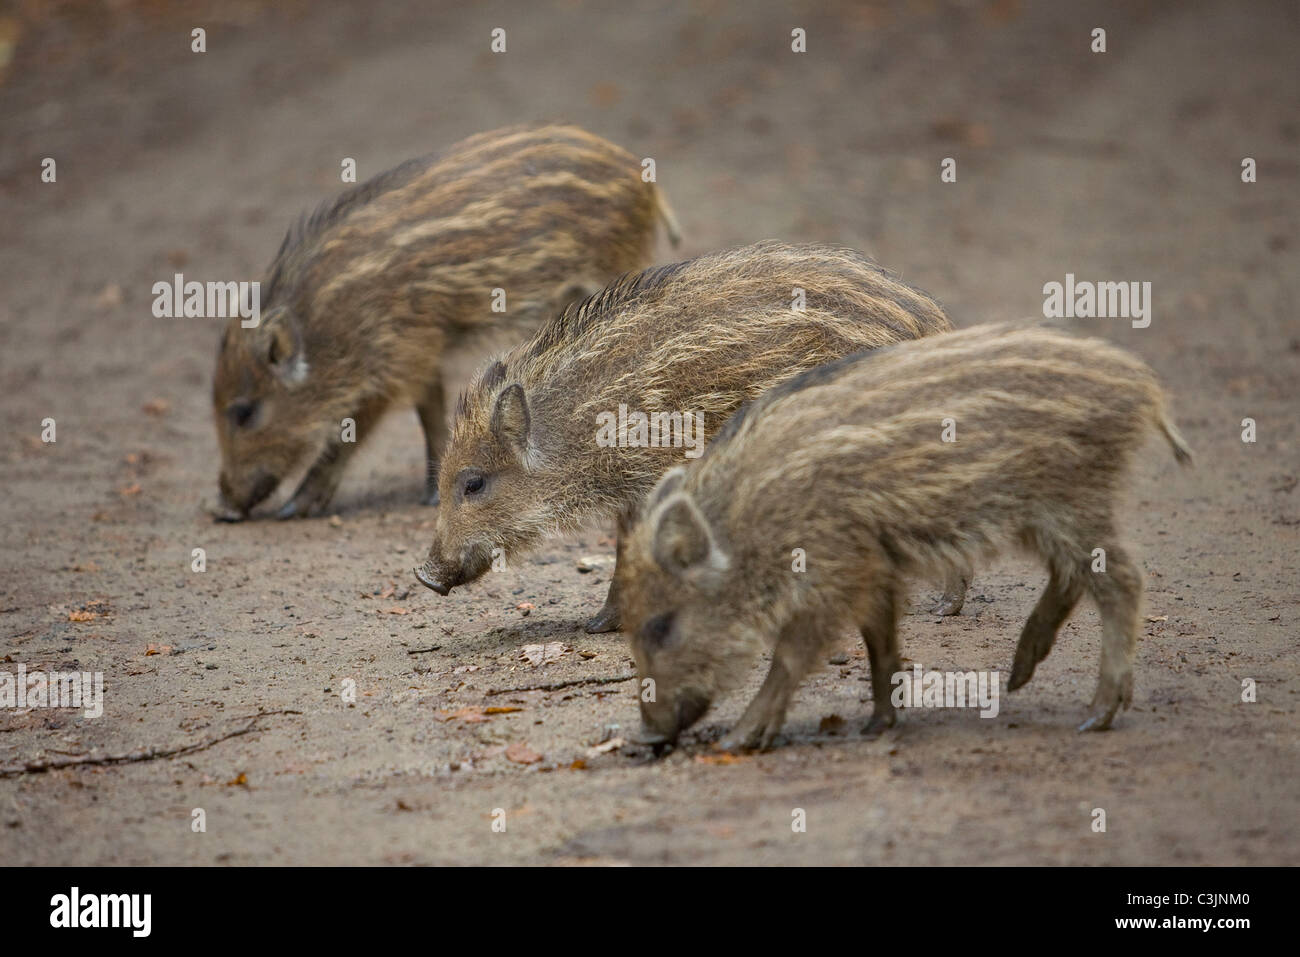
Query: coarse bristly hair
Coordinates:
[702,336]
[368,294]
[881,467]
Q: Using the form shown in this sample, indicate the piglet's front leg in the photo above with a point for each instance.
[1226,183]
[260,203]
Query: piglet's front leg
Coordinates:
[758,727]
[317,488]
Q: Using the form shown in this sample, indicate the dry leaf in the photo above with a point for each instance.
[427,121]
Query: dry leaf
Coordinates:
[543,654]
[968,134]
[501,710]
[241,781]
[605,94]
[521,753]
[1157,617]
[393,611]
[722,757]
[109,296]
[578,765]
[82,616]
[603,748]
[468,715]
[157,649]
[831,724]
[128,490]
[156,407]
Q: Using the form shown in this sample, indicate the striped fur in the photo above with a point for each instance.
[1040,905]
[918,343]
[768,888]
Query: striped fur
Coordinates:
[848,463]
[373,290]
[702,336]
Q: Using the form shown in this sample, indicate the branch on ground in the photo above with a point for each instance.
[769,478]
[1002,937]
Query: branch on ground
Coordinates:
[560,685]
[134,757]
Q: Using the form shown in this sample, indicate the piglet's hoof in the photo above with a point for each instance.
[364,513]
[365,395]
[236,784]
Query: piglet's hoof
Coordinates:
[607,619]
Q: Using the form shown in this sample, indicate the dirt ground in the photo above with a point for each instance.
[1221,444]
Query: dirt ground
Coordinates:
[1117,166]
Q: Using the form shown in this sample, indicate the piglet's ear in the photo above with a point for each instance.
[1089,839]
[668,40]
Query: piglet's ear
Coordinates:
[279,345]
[510,419]
[668,483]
[683,543]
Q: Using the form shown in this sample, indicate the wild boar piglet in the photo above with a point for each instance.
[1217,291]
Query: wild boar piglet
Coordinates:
[577,424]
[377,295]
[926,456]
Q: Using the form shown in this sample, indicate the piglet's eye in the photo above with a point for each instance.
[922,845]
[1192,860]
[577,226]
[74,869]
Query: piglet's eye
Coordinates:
[241,413]
[474,484]
[655,630]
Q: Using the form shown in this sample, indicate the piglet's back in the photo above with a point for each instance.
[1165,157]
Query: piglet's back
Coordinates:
[992,419]
[513,208]
[708,334]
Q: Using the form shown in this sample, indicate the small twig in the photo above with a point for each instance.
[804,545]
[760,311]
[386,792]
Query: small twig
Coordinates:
[149,754]
[559,685]
[264,714]
[423,651]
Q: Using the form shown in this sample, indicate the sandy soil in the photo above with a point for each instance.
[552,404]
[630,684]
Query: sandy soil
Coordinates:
[1115,166]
